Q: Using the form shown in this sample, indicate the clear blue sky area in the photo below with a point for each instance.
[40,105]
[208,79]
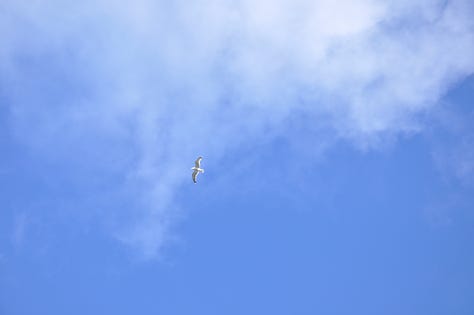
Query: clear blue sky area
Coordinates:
[323,199]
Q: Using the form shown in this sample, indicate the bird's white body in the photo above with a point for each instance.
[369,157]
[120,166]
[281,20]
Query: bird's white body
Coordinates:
[200,170]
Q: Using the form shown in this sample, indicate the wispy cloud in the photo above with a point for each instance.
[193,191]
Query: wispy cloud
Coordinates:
[19,230]
[144,86]
[452,140]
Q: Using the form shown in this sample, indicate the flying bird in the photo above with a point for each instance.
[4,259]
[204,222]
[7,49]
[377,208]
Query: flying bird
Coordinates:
[197,169]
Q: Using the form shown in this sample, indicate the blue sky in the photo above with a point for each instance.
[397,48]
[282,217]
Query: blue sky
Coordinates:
[338,146]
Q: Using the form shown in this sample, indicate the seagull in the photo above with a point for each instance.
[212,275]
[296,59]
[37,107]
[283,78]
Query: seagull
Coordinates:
[197,169]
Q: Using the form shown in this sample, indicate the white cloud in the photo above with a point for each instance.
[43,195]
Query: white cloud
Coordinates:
[162,78]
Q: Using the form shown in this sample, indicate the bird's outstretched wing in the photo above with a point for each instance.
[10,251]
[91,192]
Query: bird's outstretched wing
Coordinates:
[195,174]
[198,162]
